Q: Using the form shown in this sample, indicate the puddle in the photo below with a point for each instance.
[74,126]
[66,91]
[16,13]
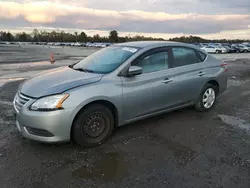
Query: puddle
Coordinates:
[181,153]
[111,166]
[235,122]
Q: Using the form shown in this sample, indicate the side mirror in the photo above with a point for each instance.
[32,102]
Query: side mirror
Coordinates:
[134,70]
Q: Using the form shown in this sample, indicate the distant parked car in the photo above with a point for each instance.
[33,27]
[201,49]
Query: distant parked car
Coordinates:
[211,49]
[220,48]
[116,86]
[236,46]
[230,49]
[245,48]
[88,44]
[77,44]
[242,48]
[200,45]
[238,50]
[83,44]
[246,43]
[223,49]
[103,45]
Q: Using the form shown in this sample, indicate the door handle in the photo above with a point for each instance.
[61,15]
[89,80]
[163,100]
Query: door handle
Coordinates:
[166,81]
[201,73]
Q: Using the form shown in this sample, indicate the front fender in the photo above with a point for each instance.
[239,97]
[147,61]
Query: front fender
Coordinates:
[80,97]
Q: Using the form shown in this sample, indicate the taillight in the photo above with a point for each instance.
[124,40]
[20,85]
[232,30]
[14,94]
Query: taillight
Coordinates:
[224,65]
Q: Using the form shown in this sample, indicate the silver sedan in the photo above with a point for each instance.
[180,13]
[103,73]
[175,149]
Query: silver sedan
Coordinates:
[115,86]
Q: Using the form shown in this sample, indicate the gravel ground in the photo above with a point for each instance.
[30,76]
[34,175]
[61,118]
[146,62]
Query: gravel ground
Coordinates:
[32,53]
[184,148]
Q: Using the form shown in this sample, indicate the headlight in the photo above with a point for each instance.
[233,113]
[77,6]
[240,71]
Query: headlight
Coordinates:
[49,103]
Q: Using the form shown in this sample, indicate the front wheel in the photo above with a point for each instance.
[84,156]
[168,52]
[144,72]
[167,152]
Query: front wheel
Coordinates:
[207,98]
[93,125]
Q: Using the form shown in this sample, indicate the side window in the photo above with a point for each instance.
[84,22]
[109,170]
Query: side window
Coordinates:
[184,56]
[154,62]
[202,55]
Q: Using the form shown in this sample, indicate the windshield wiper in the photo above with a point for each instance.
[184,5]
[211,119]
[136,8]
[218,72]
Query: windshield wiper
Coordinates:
[72,65]
[84,70]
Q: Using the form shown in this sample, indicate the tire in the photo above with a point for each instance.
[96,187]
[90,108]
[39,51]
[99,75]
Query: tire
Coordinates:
[93,125]
[200,105]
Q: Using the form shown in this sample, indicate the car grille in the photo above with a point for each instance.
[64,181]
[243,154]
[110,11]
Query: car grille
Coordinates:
[20,101]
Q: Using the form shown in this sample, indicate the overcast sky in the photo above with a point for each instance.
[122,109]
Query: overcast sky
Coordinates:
[156,18]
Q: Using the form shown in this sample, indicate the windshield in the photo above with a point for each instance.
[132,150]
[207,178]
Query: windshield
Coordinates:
[105,60]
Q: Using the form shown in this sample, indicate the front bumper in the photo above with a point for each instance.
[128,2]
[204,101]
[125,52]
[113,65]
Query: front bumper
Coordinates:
[49,127]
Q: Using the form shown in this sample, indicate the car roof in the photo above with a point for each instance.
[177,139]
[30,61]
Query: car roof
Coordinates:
[145,44]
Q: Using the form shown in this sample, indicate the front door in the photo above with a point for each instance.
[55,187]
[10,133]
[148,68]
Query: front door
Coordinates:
[147,93]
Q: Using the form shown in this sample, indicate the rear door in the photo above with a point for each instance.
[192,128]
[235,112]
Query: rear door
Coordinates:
[188,74]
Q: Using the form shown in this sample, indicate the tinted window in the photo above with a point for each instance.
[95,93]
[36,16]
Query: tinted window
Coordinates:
[185,56]
[154,62]
[106,60]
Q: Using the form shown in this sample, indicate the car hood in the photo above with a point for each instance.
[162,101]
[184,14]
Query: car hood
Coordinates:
[57,81]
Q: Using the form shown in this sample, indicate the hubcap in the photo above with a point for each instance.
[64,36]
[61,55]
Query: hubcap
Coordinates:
[208,98]
[94,125]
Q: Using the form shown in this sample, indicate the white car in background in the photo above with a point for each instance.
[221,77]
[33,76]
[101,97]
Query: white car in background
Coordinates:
[221,48]
[88,44]
[215,49]
[210,49]
[77,44]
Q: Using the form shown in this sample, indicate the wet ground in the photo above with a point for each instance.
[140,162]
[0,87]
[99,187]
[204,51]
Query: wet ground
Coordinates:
[184,148]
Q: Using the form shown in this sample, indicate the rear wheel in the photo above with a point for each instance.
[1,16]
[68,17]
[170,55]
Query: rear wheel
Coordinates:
[93,125]
[207,98]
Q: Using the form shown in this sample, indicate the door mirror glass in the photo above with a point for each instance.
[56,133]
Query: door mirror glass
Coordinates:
[134,70]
